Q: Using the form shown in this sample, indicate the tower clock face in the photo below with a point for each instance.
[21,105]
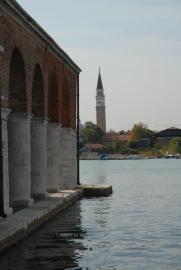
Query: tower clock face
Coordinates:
[100,102]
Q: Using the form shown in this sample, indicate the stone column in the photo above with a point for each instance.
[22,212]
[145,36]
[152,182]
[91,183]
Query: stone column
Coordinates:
[68,164]
[53,148]
[19,159]
[39,158]
[4,115]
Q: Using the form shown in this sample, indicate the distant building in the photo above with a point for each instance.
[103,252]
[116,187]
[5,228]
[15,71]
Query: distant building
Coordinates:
[100,104]
[165,136]
[95,147]
[109,138]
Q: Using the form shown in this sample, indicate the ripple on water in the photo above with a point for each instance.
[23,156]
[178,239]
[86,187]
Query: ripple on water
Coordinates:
[136,228]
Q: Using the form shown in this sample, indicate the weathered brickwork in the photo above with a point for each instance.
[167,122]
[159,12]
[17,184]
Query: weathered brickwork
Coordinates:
[36,58]
[38,83]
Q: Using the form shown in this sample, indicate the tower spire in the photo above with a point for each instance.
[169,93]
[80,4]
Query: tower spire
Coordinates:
[99,82]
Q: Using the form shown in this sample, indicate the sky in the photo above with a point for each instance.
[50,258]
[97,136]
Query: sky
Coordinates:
[137,43]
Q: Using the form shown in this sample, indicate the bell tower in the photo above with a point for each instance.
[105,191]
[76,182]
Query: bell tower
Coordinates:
[100,104]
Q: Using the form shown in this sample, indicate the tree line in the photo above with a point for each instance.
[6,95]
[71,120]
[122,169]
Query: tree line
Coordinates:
[92,134]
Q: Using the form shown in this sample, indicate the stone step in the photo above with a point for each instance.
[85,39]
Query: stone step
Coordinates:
[96,190]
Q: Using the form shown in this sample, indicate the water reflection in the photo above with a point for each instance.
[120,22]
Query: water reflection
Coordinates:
[101,179]
[136,228]
[139,226]
[56,246]
[102,212]
[99,172]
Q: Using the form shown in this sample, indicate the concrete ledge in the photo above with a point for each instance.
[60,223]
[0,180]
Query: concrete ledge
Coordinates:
[16,226]
[96,190]
[21,223]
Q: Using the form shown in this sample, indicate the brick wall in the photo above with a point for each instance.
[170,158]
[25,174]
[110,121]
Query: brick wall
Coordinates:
[54,72]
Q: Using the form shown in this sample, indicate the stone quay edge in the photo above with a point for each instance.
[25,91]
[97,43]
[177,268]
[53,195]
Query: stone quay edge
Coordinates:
[21,223]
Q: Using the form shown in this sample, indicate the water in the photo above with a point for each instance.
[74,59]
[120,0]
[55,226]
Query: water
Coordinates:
[138,227]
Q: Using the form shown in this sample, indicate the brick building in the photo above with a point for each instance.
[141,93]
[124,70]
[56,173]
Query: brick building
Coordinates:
[39,84]
[111,137]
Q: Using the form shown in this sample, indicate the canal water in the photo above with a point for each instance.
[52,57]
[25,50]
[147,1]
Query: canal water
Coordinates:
[137,228]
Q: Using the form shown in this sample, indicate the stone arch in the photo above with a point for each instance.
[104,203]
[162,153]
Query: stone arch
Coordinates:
[65,106]
[17,83]
[53,100]
[38,108]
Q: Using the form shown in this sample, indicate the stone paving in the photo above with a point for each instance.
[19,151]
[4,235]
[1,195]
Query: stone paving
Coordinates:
[22,222]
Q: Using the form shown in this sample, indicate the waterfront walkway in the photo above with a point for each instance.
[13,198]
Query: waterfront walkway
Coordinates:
[22,222]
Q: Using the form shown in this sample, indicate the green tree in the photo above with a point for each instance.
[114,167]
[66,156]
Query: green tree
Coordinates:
[175,146]
[140,131]
[92,133]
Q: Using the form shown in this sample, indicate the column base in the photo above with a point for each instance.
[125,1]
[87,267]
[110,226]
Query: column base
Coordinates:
[8,211]
[22,203]
[52,190]
[40,196]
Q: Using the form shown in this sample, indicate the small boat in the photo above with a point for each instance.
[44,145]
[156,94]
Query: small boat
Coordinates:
[169,156]
[105,157]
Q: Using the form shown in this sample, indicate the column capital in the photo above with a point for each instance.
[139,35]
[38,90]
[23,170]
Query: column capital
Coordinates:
[39,121]
[54,124]
[20,117]
[4,113]
[69,131]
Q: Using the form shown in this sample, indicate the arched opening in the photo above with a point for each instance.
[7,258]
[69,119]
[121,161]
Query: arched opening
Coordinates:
[38,93]
[17,83]
[65,106]
[53,103]
[38,137]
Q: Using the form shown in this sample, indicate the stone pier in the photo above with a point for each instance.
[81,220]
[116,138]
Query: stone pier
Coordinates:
[4,115]
[53,159]
[39,158]
[68,159]
[19,159]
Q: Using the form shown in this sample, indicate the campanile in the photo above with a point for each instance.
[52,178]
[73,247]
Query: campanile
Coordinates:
[100,104]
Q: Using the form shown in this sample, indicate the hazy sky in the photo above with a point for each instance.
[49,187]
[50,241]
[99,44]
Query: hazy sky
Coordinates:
[138,45]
